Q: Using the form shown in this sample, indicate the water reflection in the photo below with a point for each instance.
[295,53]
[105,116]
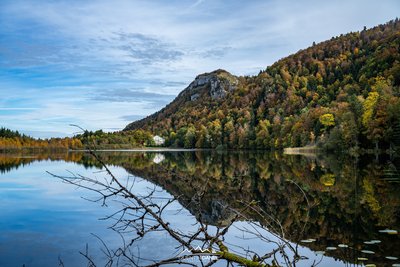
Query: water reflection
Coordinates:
[348,209]
[348,202]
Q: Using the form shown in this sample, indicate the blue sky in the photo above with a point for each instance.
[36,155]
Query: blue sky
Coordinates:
[102,64]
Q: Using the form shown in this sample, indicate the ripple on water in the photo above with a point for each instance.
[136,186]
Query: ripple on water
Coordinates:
[376,241]
[388,231]
[367,251]
[307,240]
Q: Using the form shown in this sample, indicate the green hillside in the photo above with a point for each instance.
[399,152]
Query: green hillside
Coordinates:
[339,94]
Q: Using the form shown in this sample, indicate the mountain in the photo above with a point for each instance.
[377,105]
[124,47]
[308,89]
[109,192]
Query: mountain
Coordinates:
[342,93]
[208,86]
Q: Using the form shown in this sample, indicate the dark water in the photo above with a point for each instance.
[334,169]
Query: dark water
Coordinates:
[337,210]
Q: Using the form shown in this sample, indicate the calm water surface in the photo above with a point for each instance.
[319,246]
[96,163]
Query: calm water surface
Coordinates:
[321,203]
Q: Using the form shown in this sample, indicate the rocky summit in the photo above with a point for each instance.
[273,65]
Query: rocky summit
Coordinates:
[218,83]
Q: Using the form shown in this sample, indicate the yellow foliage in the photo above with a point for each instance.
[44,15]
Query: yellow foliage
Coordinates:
[327,179]
[369,196]
[327,119]
[369,107]
[285,75]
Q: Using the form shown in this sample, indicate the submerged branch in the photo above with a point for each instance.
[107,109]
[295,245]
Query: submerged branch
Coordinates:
[143,215]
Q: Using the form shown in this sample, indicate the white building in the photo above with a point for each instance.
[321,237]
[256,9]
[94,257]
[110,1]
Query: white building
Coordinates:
[158,140]
[158,158]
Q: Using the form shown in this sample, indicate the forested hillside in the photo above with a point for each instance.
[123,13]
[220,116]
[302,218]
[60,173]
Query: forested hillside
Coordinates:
[342,93]
[115,140]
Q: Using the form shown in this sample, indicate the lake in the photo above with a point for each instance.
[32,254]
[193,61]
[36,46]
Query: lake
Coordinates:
[335,211]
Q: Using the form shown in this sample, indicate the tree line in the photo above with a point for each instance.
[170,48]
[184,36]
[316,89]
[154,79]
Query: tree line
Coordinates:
[13,140]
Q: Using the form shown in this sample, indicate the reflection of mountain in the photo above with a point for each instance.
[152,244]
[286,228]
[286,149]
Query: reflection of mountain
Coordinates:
[348,203]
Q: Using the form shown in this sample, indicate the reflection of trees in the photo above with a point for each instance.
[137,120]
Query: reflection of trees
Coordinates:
[378,197]
[142,213]
[342,212]
[9,161]
[348,201]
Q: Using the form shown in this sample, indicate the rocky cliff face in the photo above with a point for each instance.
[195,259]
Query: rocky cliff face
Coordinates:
[215,85]
[219,83]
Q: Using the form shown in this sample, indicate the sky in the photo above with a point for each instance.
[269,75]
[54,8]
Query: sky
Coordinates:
[103,64]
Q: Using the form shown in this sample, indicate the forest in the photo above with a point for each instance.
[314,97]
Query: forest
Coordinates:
[341,94]
[13,140]
[116,140]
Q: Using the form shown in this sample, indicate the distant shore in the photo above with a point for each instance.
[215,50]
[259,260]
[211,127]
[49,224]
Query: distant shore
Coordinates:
[141,149]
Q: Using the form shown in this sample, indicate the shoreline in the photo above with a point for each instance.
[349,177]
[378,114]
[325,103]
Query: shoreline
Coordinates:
[304,151]
[146,149]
